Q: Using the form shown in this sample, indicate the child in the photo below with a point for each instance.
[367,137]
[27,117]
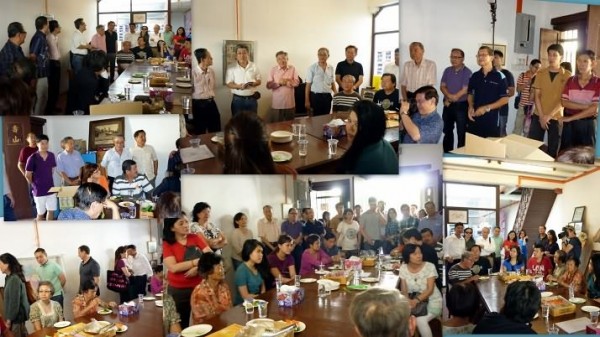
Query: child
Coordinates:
[156,281]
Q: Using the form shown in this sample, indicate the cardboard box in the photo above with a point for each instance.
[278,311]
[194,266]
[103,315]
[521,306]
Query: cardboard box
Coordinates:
[290,298]
[65,195]
[509,147]
[559,305]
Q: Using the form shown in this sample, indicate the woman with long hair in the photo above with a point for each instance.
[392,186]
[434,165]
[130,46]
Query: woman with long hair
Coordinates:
[162,50]
[45,312]
[552,243]
[248,280]
[16,305]
[392,232]
[511,241]
[281,263]
[369,152]
[469,240]
[145,35]
[593,279]
[181,252]
[523,243]
[240,234]
[514,262]
[247,148]
[121,267]
[90,173]
[201,226]
[179,40]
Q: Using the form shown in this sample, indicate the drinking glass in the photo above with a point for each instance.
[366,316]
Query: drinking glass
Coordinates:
[262,308]
[490,271]
[249,305]
[186,103]
[594,317]
[295,129]
[332,146]
[132,213]
[297,280]
[553,329]
[302,147]
[301,131]
[545,310]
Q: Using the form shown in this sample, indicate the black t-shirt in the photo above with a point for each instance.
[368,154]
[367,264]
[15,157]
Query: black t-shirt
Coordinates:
[510,82]
[388,102]
[111,42]
[344,68]
[430,255]
[576,251]
[481,266]
[498,324]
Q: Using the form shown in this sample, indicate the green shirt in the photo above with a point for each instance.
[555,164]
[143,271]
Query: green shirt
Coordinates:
[168,36]
[50,271]
[377,158]
[498,241]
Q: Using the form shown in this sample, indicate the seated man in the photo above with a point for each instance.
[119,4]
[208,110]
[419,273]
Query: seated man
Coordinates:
[461,272]
[521,302]
[330,247]
[131,184]
[90,201]
[426,126]
[481,265]
[142,51]
[124,57]
[538,263]
[389,96]
[382,312]
[344,100]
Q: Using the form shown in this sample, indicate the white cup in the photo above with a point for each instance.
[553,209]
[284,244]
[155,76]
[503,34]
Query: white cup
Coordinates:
[332,146]
[594,317]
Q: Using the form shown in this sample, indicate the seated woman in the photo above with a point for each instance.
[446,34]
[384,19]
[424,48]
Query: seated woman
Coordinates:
[212,296]
[281,262]
[162,50]
[313,256]
[45,312]
[156,281]
[240,234]
[86,303]
[171,318]
[462,302]
[247,278]
[89,87]
[573,276]
[560,258]
[90,201]
[90,173]
[369,152]
[514,263]
[593,279]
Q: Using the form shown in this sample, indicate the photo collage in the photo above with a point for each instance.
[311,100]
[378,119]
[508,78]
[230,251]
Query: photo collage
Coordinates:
[299,168]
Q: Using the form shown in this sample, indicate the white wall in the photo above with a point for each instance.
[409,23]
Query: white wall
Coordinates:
[161,132]
[465,24]
[177,20]
[93,234]
[298,27]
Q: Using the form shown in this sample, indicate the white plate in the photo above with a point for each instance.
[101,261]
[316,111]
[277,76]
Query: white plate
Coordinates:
[183,79]
[159,295]
[370,279]
[546,293]
[577,300]
[126,204]
[281,156]
[104,311]
[158,303]
[494,274]
[308,280]
[321,272]
[551,284]
[123,328]
[217,139]
[63,324]
[300,326]
[134,81]
[590,308]
[281,137]
[149,298]
[183,85]
[196,330]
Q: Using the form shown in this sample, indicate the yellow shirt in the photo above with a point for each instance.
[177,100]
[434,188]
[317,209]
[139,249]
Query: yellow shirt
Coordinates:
[551,91]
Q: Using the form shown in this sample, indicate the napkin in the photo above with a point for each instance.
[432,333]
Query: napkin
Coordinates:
[329,284]
[336,122]
[288,289]
[574,325]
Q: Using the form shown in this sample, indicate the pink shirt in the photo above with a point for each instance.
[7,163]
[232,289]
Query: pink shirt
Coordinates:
[311,262]
[575,93]
[204,83]
[99,42]
[53,47]
[283,95]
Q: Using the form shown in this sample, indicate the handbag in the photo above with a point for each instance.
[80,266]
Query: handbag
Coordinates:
[421,308]
[191,253]
[116,281]
[31,298]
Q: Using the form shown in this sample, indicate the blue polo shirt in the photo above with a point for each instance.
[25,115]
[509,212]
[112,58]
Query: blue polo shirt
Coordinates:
[486,89]
[430,127]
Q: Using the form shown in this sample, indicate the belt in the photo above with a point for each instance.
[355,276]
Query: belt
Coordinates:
[78,55]
[244,97]
[206,99]
[320,93]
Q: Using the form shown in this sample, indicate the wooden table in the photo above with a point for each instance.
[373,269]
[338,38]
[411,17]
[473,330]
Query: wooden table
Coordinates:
[147,323]
[492,293]
[323,316]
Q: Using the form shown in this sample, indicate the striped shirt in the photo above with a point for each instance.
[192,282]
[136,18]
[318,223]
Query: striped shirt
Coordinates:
[415,76]
[344,102]
[573,92]
[457,273]
[525,80]
[133,189]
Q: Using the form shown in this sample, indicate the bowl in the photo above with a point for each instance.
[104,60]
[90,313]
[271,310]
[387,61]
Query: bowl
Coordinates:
[281,136]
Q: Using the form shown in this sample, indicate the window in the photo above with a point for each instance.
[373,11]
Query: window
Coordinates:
[120,11]
[481,203]
[570,43]
[386,38]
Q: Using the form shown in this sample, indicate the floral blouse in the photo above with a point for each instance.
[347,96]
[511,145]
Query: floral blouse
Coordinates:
[576,278]
[46,319]
[207,304]
[417,282]
[79,305]
[210,232]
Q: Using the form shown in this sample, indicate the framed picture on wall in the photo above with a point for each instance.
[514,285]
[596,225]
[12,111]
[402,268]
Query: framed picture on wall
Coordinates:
[138,17]
[577,225]
[102,132]
[500,47]
[458,215]
[230,51]
[578,214]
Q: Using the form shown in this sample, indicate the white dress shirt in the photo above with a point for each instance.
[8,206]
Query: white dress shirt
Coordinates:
[140,265]
[78,40]
[454,247]
[488,246]
[239,75]
[144,158]
[415,76]
[113,162]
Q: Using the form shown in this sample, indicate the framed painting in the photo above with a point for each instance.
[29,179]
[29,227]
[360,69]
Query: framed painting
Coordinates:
[103,131]
[578,214]
[138,17]
[458,215]
[230,51]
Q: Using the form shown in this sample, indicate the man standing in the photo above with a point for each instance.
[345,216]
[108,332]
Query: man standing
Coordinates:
[371,222]
[339,217]
[417,72]
[426,126]
[408,221]
[319,85]
[89,269]
[487,93]
[69,163]
[145,156]
[510,89]
[38,53]
[131,184]
[393,68]
[293,227]
[79,46]
[349,67]
[548,87]
[53,67]
[572,245]
[433,221]
[542,237]
[488,246]
[538,263]
[455,83]
[526,99]
[311,225]
[26,152]
[12,49]
[268,230]
[454,246]
[155,36]
[242,78]
[142,271]
[111,38]
[39,171]
[498,241]
[282,80]
[99,39]
[132,35]
[113,160]
[50,271]
[389,96]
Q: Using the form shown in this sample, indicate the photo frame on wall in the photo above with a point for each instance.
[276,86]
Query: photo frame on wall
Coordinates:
[578,214]
[138,17]
[102,132]
[230,50]
[577,225]
[500,47]
[458,215]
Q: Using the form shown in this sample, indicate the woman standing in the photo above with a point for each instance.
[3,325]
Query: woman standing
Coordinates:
[45,312]
[281,263]
[523,243]
[514,262]
[240,234]
[211,297]
[469,240]
[313,257]
[200,225]
[347,231]
[121,268]
[392,233]
[16,306]
[247,278]
[179,40]
[146,36]
[511,241]
[181,251]
[90,173]
[417,282]
[206,114]
[552,243]
[573,276]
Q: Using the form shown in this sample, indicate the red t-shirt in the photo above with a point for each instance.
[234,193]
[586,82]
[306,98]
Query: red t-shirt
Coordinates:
[544,267]
[177,250]
[25,153]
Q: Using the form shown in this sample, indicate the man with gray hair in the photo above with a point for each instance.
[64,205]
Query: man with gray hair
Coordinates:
[461,272]
[69,163]
[379,312]
[113,159]
[269,230]
[417,72]
[345,99]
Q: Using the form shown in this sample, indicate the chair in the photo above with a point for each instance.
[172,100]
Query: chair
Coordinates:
[122,108]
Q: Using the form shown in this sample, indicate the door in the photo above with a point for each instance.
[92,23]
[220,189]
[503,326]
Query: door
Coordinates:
[593,29]
[547,37]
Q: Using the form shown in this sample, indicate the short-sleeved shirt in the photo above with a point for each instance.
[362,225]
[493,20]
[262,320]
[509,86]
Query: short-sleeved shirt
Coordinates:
[69,163]
[8,55]
[370,221]
[456,80]
[42,180]
[344,102]
[73,214]
[410,222]
[87,271]
[430,127]
[333,251]
[457,273]
[282,265]
[111,41]
[135,188]
[39,47]
[315,227]
[283,95]
[510,82]
[573,92]
[47,320]
[512,267]
[210,232]
[177,250]
[415,76]
[388,102]
[542,267]
[433,223]
[50,271]
[526,93]
[320,79]
[245,277]
[113,162]
[124,57]
[269,229]
[344,68]
[240,75]
[576,250]
[144,157]
[348,234]
[486,89]
[25,153]
[291,229]
[417,282]
[551,88]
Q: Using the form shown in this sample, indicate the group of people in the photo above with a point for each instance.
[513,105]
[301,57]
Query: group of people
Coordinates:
[43,306]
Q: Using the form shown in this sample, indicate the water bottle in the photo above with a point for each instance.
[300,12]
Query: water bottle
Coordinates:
[380,258]
[571,291]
